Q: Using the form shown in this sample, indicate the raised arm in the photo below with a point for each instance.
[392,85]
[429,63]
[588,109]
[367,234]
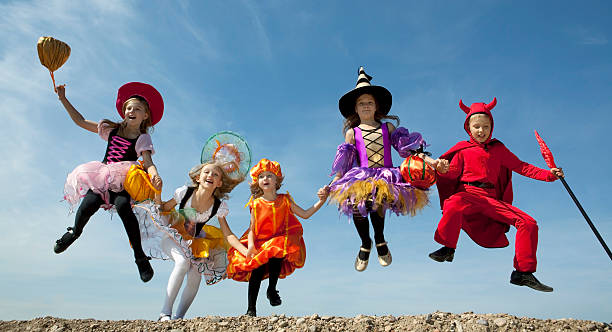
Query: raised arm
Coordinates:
[231,238]
[78,119]
[322,193]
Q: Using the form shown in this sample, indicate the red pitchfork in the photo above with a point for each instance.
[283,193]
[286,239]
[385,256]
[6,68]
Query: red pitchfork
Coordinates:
[550,161]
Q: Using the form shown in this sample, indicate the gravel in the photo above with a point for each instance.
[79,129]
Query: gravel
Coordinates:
[437,321]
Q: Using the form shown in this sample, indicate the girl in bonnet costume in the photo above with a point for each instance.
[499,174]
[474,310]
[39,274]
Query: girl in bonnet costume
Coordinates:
[100,184]
[274,238]
[365,182]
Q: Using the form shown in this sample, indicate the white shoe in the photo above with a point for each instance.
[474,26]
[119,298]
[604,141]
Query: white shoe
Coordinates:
[163,318]
[360,264]
[384,260]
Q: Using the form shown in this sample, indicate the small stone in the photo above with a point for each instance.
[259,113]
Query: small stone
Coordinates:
[326,318]
[300,320]
[392,319]
[177,330]
[314,316]
[223,323]
[214,319]
[280,330]
[94,326]
[283,324]
[499,322]
[360,316]
[388,328]
[313,328]
[428,319]
[273,319]
[482,322]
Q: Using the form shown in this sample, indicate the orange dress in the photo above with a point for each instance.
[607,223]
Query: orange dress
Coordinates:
[278,234]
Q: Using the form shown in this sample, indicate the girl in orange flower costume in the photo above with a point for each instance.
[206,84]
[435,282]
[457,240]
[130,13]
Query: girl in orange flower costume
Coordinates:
[274,238]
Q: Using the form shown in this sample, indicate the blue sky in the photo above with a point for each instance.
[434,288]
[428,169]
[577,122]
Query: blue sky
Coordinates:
[273,71]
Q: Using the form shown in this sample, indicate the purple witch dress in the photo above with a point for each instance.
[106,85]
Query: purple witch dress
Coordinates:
[363,189]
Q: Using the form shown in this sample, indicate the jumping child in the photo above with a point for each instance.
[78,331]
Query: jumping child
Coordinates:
[365,180]
[274,238]
[476,196]
[101,183]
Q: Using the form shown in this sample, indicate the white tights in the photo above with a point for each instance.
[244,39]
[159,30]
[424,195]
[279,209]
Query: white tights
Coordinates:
[182,267]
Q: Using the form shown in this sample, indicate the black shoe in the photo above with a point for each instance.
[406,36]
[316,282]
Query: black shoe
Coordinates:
[144,268]
[274,298]
[65,241]
[251,312]
[444,254]
[529,280]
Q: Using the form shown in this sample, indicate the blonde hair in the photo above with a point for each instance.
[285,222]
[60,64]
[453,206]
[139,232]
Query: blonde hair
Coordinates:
[144,125]
[227,183]
[353,120]
[256,191]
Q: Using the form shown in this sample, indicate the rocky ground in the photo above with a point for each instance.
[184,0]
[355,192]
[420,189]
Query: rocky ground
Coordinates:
[438,321]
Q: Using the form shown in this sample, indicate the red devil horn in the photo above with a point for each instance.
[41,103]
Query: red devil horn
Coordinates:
[463,107]
[492,104]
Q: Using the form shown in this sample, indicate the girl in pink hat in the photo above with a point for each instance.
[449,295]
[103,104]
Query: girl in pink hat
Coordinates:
[100,184]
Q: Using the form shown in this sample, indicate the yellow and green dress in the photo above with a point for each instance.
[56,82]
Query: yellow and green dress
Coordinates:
[278,234]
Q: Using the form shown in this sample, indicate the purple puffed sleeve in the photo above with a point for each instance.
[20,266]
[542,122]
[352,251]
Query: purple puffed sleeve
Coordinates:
[345,158]
[404,141]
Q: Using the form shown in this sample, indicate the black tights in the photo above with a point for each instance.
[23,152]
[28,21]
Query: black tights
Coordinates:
[363,228]
[92,202]
[274,268]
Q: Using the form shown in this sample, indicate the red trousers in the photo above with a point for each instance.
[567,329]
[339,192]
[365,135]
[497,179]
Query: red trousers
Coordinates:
[475,202]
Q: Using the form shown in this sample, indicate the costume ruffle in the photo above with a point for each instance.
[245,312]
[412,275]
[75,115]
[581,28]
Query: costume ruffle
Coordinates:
[207,252]
[383,187]
[97,176]
[278,234]
[404,141]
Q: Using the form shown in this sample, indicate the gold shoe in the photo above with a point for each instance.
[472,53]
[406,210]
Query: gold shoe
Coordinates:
[360,264]
[384,260]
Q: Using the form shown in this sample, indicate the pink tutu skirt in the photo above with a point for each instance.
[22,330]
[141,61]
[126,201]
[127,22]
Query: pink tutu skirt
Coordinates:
[97,176]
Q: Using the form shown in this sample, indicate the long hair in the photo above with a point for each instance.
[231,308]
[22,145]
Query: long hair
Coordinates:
[256,191]
[144,125]
[353,120]
[227,183]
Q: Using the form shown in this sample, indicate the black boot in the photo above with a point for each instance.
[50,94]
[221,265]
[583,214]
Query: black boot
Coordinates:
[251,312]
[65,241]
[444,254]
[529,280]
[274,297]
[144,268]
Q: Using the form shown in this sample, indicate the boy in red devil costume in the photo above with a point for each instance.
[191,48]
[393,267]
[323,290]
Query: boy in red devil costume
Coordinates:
[476,196]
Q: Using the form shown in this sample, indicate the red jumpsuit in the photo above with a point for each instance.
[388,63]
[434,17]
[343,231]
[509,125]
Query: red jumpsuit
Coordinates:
[486,213]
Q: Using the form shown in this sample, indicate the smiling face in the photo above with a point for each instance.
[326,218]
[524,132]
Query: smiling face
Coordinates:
[267,181]
[480,127]
[135,112]
[210,177]
[365,107]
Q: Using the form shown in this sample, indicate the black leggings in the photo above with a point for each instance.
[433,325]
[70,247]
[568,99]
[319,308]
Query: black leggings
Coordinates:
[363,228]
[274,268]
[92,202]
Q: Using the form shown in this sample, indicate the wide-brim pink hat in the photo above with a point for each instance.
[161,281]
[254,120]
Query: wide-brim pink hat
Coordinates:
[146,91]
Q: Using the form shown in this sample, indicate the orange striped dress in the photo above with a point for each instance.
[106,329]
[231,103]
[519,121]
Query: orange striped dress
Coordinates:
[278,234]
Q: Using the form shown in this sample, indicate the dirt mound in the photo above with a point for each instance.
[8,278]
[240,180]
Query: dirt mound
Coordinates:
[437,321]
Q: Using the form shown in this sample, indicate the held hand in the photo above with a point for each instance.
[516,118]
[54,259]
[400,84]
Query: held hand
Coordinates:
[323,193]
[61,91]
[157,182]
[558,172]
[441,165]
[251,252]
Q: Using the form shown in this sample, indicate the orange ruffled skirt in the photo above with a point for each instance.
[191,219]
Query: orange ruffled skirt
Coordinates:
[278,234]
